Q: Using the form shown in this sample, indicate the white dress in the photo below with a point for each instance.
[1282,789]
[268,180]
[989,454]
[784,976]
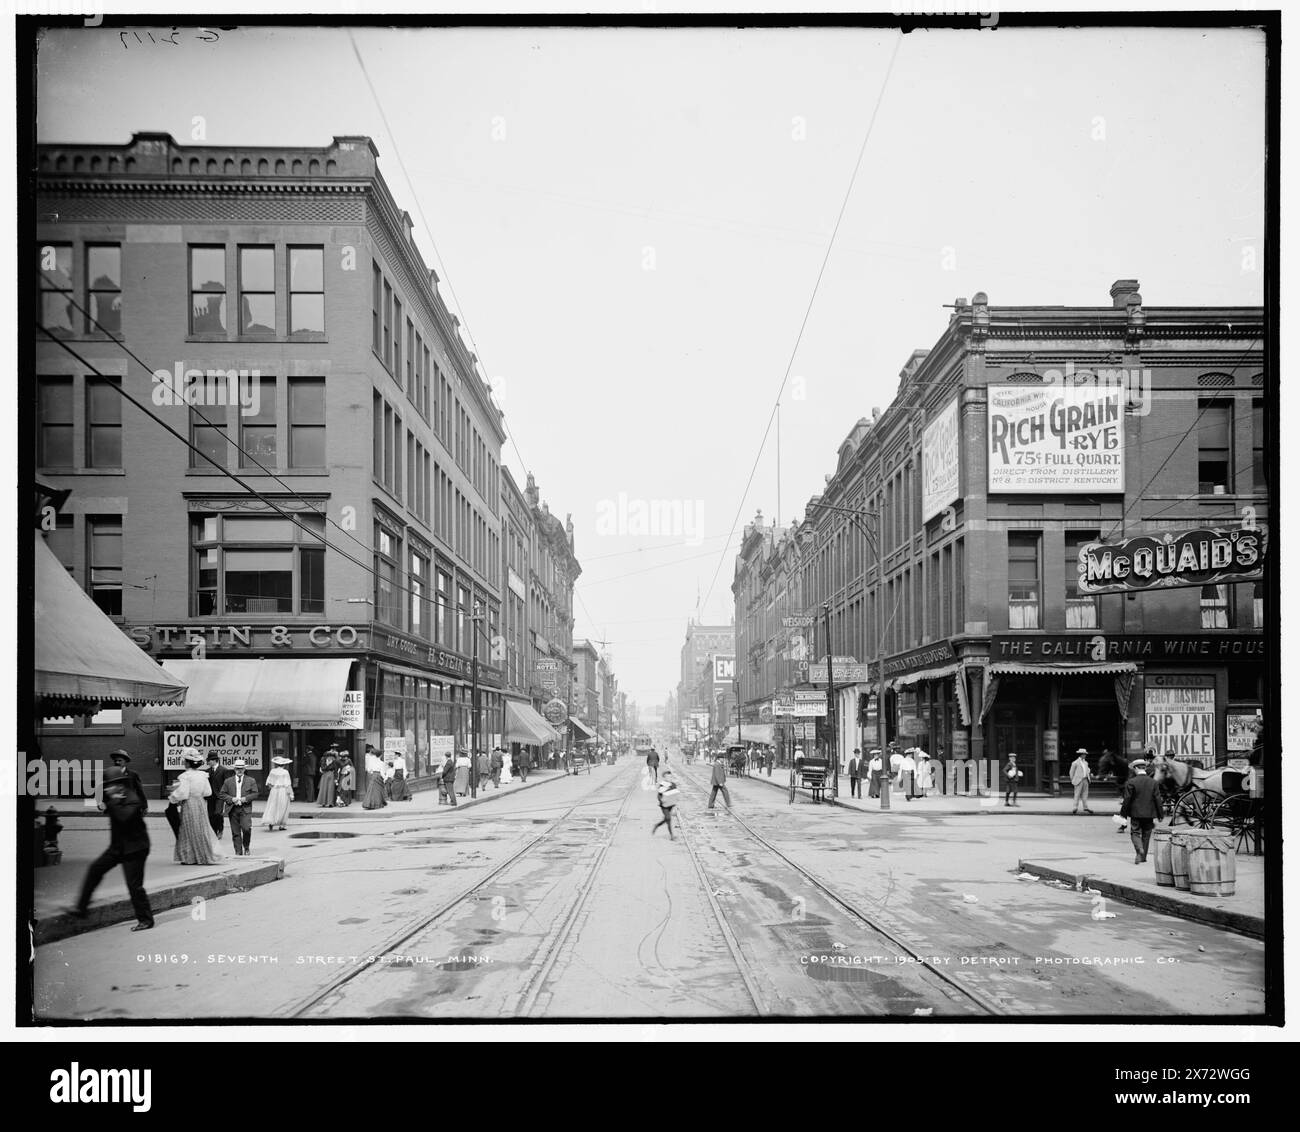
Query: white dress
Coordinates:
[279,793]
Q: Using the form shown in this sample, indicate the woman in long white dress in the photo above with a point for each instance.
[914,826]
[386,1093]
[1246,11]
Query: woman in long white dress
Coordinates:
[279,793]
[195,842]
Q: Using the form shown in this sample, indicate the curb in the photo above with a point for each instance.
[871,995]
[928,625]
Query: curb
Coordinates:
[118,910]
[1240,922]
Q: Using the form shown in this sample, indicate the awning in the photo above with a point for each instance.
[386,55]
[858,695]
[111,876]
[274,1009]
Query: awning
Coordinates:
[524,725]
[1122,670]
[272,692]
[83,659]
[580,730]
[760,733]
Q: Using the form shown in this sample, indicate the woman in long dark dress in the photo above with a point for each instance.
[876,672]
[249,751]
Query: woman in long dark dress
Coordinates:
[326,796]
[346,776]
[375,798]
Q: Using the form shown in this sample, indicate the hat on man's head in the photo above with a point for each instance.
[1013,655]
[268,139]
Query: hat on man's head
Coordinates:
[280,760]
[114,774]
[240,764]
[119,754]
[1081,751]
[1138,764]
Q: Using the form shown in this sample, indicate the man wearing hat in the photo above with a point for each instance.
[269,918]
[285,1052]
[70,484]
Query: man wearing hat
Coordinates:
[123,761]
[128,846]
[448,777]
[1080,776]
[1142,807]
[216,776]
[237,795]
[855,774]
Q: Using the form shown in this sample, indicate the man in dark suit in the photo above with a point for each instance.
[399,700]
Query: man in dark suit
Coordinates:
[855,773]
[128,846]
[1141,805]
[216,776]
[237,795]
[123,761]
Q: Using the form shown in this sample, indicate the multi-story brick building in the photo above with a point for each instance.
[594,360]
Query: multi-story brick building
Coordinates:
[274,310]
[947,541]
[701,642]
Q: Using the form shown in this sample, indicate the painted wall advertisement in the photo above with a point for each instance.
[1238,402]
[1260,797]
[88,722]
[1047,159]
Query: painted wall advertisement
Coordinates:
[230,745]
[940,461]
[1055,439]
[1180,716]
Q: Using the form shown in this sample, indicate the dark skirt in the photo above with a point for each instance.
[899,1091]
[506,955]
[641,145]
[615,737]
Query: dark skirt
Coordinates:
[374,799]
[398,790]
[326,795]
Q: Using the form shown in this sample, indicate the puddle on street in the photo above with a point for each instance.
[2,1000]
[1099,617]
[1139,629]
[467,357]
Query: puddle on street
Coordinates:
[317,834]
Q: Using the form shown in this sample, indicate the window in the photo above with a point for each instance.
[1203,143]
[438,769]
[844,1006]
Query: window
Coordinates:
[1256,604]
[54,422]
[252,564]
[1216,613]
[306,422]
[397,339]
[462,620]
[440,612]
[56,289]
[1214,458]
[207,290]
[397,456]
[1022,580]
[257,291]
[424,380]
[257,429]
[376,319]
[208,424]
[412,359]
[103,422]
[1081,610]
[104,554]
[306,291]
[388,325]
[388,551]
[1257,446]
[419,595]
[103,289]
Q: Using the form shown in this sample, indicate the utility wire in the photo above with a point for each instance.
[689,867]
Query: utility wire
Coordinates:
[785,377]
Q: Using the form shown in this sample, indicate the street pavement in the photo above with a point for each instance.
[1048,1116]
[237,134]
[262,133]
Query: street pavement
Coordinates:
[561,904]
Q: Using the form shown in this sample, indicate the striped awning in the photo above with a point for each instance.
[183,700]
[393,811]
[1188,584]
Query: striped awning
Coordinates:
[1101,668]
[524,725]
[295,692]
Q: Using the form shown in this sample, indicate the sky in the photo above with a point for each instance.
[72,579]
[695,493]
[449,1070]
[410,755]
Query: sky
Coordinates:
[632,226]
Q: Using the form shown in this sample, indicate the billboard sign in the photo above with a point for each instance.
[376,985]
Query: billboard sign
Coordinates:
[1050,440]
[940,461]
[228,745]
[724,669]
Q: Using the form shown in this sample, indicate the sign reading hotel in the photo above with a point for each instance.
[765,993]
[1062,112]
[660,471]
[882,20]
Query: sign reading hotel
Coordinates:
[1201,557]
[940,461]
[1055,440]
[1180,717]
[229,745]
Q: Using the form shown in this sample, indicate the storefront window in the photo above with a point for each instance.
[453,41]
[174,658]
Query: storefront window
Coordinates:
[1022,580]
[1080,609]
[1215,611]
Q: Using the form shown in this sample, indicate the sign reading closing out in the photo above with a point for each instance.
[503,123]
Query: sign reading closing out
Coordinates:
[1055,439]
[229,746]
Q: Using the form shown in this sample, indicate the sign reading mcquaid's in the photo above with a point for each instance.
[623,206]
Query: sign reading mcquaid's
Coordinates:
[1189,558]
[1055,440]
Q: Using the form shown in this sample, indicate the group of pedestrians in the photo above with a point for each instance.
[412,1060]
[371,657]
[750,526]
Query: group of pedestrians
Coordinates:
[669,795]
[911,771]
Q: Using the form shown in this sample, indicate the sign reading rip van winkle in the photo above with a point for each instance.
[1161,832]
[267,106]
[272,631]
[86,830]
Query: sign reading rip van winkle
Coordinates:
[1201,557]
[1050,440]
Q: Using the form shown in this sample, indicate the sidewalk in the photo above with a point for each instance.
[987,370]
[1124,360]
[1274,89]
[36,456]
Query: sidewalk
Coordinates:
[56,887]
[1088,863]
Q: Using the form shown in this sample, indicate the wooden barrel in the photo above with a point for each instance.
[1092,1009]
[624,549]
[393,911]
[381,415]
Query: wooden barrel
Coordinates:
[1211,864]
[1178,861]
[1162,844]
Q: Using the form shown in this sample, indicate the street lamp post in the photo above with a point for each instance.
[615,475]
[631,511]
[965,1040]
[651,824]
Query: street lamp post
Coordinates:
[830,703]
[476,617]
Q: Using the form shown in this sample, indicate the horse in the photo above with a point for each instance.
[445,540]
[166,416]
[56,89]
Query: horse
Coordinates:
[1175,778]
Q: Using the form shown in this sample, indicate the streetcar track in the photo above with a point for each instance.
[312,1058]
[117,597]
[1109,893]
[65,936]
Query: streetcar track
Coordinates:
[983,1001]
[301,1006]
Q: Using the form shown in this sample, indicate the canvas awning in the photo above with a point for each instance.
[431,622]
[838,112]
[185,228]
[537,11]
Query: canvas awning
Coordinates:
[298,692]
[957,671]
[760,733]
[83,660]
[524,725]
[1124,672]
[580,730]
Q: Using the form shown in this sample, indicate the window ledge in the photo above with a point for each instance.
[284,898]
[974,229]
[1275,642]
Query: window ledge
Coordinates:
[81,471]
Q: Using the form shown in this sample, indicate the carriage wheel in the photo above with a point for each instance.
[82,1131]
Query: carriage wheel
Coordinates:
[1239,816]
[1195,808]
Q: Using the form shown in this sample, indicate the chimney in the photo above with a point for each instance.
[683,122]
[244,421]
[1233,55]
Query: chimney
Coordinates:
[1121,291]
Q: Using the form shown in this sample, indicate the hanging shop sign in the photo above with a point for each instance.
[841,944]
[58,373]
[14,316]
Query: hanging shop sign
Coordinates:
[1180,716]
[724,669]
[929,656]
[798,621]
[940,461]
[1201,557]
[556,711]
[799,704]
[352,718]
[228,745]
[1066,440]
[847,673]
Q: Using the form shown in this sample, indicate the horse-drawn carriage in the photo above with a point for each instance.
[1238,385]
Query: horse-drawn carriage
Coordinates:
[1225,798]
[738,760]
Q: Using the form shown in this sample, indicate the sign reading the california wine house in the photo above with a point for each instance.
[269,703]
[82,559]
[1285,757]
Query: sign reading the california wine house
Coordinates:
[1053,439]
[1201,557]
[940,461]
